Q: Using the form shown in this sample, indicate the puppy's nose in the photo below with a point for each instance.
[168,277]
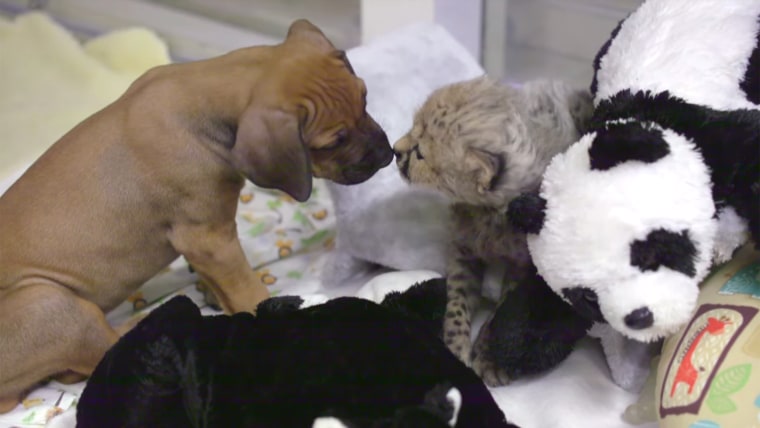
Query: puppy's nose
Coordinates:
[397,154]
[639,319]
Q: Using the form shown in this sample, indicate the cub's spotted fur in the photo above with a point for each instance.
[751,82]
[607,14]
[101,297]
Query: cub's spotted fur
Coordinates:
[482,144]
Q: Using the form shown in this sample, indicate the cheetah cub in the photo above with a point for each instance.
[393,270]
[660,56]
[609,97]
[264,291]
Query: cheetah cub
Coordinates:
[482,144]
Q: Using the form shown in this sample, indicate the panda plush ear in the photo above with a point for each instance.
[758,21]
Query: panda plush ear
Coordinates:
[622,142]
[526,212]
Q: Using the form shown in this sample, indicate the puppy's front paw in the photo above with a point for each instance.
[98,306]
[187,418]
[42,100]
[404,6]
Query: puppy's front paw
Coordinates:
[69,377]
[208,297]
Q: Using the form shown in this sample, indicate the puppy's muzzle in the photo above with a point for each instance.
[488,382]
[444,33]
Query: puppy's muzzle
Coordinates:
[378,155]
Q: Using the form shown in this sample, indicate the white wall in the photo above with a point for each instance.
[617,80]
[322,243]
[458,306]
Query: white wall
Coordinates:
[462,18]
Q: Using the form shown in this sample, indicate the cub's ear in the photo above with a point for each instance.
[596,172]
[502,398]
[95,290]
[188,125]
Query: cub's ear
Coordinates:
[488,168]
[270,152]
[526,213]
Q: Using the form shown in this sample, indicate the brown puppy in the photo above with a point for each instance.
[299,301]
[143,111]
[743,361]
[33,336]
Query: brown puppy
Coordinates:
[156,175]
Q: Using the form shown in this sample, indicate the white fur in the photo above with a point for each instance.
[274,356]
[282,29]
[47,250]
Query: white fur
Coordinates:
[593,216]
[327,422]
[696,49]
[455,398]
[378,287]
[733,231]
[310,300]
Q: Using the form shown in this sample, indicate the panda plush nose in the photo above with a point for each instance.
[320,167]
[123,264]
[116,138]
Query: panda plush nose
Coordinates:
[639,319]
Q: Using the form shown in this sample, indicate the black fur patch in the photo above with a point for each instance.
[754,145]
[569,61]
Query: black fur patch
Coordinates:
[425,301]
[623,142]
[662,247]
[602,52]
[532,329]
[751,82]
[279,305]
[348,357]
[526,213]
[585,301]
[728,140]
[639,319]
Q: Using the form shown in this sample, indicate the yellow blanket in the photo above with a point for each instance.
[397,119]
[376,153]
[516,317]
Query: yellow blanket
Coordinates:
[49,81]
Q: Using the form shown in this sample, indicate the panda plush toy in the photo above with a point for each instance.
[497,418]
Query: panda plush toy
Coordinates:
[666,180]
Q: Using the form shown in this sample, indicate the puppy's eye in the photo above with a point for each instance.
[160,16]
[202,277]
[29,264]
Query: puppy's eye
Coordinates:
[341,137]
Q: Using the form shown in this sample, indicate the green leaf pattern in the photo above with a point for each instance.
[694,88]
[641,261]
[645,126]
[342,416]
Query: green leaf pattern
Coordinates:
[301,218]
[257,229]
[274,204]
[315,238]
[725,384]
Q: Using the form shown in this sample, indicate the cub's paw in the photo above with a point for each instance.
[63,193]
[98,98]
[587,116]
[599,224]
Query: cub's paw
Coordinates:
[491,374]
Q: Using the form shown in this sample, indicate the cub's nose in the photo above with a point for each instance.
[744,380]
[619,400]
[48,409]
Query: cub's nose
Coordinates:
[639,319]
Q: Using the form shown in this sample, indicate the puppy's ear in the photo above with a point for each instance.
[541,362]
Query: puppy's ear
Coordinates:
[270,152]
[304,30]
[487,166]
[526,213]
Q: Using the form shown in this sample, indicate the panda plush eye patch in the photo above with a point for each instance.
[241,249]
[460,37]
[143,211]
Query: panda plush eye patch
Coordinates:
[585,301]
[602,52]
[708,128]
[662,247]
[626,141]
[751,87]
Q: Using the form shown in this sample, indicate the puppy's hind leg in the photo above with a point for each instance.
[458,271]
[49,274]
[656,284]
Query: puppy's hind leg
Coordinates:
[46,330]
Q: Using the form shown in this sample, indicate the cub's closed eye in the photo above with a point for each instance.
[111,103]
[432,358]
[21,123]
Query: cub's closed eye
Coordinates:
[416,151]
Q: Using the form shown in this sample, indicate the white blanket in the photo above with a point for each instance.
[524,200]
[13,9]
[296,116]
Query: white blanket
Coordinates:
[287,242]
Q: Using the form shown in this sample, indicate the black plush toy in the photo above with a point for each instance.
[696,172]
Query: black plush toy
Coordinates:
[532,329]
[348,362]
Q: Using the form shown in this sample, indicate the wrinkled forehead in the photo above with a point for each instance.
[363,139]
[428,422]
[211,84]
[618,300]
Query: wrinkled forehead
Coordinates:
[339,86]
[324,86]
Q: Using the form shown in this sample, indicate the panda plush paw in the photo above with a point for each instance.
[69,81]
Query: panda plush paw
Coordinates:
[484,365]
[532,330]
